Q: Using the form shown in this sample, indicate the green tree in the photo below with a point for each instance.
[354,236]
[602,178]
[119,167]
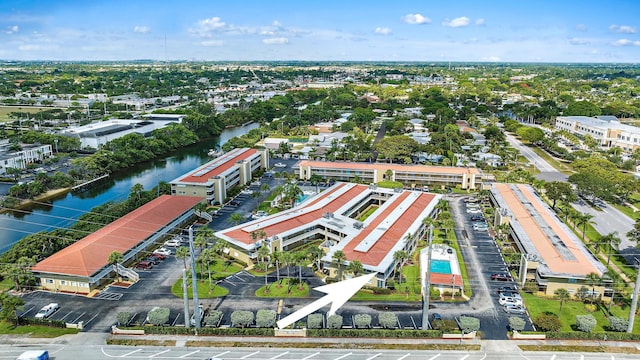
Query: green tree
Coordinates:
[558,190]
[634,234]
[355,267]
[182,253]
[612,241]
[339,257]
[10,306]
[593,279]
[561,295]
[236,218]
[115,258]
[399,257]
[583,219]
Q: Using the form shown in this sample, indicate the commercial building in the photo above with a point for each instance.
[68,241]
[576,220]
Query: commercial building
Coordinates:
[606,130]
[83,266]
[366,223]
[213,179]
[409,175]
[552,255]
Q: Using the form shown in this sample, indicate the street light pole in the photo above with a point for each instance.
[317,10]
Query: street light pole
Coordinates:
[426,292]
[194,281]
[634,302]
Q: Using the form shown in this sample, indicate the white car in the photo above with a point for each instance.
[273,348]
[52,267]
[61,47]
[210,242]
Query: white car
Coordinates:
[162,251]
[173,242]
[280,165]
[247,192]
[259,214]
[47,311]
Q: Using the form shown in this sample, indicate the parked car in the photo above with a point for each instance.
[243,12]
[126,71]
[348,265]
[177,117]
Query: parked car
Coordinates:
[514,309]
[47,311]
[280,165]
[474,211]
[193,317]
[259,214]
[436,316]
[158,256]
[234,203]
[152,259]
[480,227]
[500,277]
[478,218]
[511,289]
[247,192]
[162,251]
[175,242]
[144,265]
[507,300]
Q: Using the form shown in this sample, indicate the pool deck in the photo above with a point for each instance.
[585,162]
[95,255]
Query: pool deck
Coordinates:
[440,253]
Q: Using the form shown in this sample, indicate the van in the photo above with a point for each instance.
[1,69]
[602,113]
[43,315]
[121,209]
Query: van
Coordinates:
[34,355]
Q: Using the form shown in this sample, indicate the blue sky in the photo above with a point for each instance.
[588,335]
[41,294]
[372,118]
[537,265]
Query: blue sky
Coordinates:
[466,30]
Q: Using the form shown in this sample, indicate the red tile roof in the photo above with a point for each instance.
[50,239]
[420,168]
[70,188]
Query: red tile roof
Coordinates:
[446,279]
[216,170]
[91,253]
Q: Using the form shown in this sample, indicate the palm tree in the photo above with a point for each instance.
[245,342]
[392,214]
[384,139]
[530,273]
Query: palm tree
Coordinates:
[593,279]
[265,187]
[562,295]
[287,259]
[116,258]
[339,257]
[613,241]
[447,225]
[182,253]
[207,256]
[615,282]
[355,267]
[399,257]
[263,253]
[584,220]
[315,254]
[299,257]
[236,218]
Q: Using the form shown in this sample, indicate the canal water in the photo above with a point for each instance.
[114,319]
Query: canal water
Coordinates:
[63,211]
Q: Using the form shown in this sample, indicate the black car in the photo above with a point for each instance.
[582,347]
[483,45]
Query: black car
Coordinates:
[234,203]
[478,218]
[436,316]
[510,289]
[500,277]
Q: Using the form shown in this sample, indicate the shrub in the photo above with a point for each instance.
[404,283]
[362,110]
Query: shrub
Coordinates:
[391,284]
[265,318]
[362,320]
[241,318]
[314,321]
[591,307]
[388,320]
[435,294]
[123,318]
[618,324]
[585,323]
[375,333]
[516,323]
[469,324]
[213,318]
[381,291]
[530,287]
[444,325]
[547,322]
[334,322]
[158,316]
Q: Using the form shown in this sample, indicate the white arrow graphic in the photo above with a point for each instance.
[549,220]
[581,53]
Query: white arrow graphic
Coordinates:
[337,294]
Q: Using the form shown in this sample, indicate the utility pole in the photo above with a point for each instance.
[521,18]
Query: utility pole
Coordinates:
[634,302]
[194,281]
[185,297]
[426,292]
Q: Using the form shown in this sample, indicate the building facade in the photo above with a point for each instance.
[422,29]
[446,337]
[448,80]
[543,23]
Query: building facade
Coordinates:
[20,159]
[213,179]
[607,131]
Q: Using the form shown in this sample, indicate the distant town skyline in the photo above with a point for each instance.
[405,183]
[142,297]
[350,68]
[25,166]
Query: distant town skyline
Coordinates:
[468,30]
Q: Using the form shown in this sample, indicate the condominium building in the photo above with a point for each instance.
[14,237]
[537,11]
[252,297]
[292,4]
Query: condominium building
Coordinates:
[409,175]
[20,159]
[213,179]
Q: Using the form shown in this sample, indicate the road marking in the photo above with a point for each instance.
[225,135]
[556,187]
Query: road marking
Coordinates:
[464,357]
[281,354]
[485,355]
[217,356]
[130,353]
[343,356]
[553,357]
[229,282]
[374,356]
[246,356]
[160,353]
[402,357]
[310,356]
[76,319]
[94,316]
[191,353]
[69,313]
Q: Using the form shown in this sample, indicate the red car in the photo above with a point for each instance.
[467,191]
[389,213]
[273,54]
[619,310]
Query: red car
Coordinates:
[158,256]
[144,265]
[500,277]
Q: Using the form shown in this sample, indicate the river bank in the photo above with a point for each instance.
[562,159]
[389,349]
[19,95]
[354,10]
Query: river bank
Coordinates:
[28,203]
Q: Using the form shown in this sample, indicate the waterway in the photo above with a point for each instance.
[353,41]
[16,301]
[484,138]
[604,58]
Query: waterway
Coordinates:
[63,211]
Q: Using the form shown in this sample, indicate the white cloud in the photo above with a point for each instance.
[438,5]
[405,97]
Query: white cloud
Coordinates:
[211,43]
[416,19]
[12,30]
[626,42]
[457,22]
[578,41]
[213,23]
[141,29]
[383,30]
[581,27]
[480,22]
[36,47]
[275,41]
[623,29]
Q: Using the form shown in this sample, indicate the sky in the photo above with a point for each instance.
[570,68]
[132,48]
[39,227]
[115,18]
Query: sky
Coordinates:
[376,30]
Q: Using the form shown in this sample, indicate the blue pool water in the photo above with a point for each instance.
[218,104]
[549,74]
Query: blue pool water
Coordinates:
[440,266]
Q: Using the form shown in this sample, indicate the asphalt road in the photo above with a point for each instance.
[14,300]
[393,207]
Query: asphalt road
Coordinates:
[547,172]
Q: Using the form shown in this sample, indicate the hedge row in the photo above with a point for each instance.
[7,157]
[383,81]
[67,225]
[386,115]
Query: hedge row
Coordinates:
[374,333]
[41,322]
[172,330]
[579,335]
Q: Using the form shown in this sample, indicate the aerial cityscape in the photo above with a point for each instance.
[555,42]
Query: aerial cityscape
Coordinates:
[295,180]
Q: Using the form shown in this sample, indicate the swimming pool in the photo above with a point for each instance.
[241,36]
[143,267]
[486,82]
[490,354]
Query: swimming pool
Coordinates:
[440,266]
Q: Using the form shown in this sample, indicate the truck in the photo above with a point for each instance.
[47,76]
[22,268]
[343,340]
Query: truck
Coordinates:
[34,355]
[47,311]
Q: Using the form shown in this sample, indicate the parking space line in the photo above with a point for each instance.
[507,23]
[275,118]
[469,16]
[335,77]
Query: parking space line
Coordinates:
[464,357]
[434,357]
[310,356]
[343,356]
[223,353]
[230,282]
[160,353]
[253,353]
[374,356]
[76,319]
[94,316]
[188,354]
[64,317]
[131,353]
[281,354]
[404,356]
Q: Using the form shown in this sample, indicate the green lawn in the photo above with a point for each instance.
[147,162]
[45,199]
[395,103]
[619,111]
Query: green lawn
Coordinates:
[627,211]
[562,167]
[34,331]
[219,270]
[538,305]
[282,289]
[6,284]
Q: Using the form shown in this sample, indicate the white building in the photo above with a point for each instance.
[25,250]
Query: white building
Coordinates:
[22,158]
[606,130]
